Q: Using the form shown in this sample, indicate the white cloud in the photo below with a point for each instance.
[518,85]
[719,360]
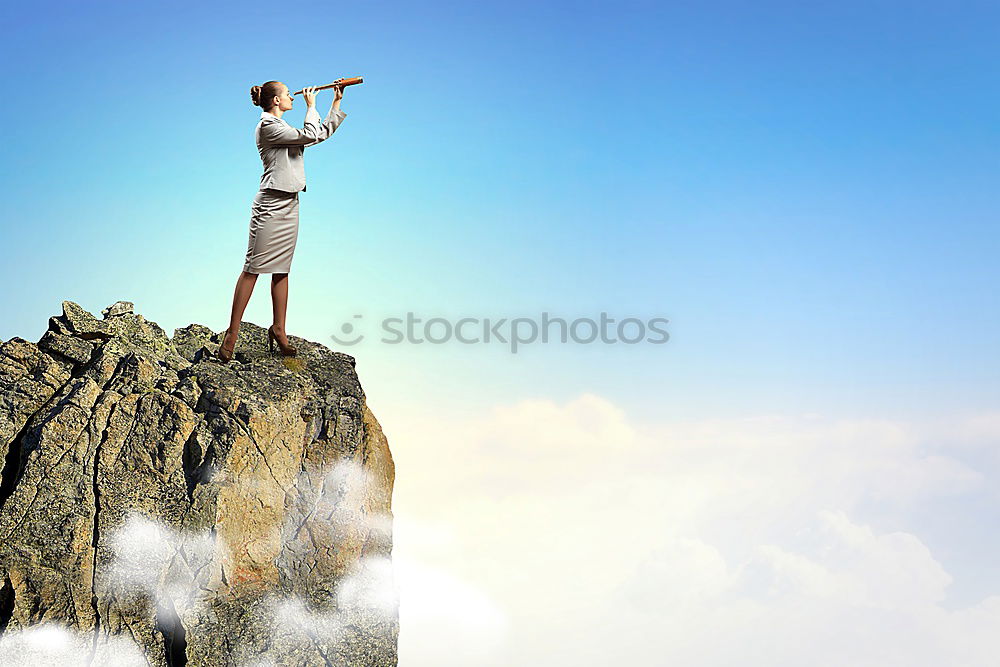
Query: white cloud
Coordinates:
[152,559]
[683,572]
[370,586]
[445,619]
[55,645]
[700,543]
[894,571]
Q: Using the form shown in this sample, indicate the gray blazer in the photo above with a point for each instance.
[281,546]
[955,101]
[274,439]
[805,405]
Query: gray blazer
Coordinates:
[281,147]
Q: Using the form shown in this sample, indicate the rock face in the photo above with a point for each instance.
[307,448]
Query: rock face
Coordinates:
[158,507]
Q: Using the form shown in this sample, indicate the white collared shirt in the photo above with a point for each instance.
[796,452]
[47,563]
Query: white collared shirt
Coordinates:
[267,114]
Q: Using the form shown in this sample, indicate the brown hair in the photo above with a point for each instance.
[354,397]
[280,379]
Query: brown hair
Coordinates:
[262,95]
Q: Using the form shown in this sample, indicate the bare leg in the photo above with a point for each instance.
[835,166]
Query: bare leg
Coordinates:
[241,296]
[279,304]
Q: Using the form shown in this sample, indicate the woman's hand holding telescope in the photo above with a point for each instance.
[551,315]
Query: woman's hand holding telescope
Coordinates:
[309,92]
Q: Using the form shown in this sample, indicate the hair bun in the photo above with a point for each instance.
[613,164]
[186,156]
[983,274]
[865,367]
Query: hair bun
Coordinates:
[255,95]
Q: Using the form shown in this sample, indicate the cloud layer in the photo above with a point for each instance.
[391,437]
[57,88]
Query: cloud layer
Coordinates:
[775,540]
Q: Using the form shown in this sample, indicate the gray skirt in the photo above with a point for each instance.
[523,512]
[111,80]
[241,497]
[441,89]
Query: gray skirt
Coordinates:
[274,229]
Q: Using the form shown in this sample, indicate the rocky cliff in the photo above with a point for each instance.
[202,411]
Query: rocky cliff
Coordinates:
[158,507]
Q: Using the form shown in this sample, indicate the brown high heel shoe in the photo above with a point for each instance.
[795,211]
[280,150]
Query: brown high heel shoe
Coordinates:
[286,350]
[225,355]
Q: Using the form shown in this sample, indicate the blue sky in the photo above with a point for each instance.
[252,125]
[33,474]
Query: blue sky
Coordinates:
[804,191]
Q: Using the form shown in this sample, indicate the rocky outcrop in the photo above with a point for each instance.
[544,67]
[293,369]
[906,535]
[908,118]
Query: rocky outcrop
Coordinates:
[158,507]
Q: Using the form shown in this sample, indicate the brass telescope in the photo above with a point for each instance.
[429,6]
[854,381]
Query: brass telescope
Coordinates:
[348,81]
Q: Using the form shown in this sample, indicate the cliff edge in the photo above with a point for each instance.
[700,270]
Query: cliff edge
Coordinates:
[160,508]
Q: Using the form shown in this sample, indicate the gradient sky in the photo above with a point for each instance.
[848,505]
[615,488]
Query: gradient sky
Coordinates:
[808,193]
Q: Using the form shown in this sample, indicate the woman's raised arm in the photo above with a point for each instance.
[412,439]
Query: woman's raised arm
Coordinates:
[313,129]
[276,133]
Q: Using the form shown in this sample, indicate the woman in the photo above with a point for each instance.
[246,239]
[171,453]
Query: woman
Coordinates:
[274,213]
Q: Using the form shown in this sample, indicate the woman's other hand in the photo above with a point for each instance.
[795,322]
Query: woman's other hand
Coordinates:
[309,94]
[338,94]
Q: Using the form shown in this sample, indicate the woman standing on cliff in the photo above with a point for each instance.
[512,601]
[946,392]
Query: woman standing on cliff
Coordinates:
[274,213]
